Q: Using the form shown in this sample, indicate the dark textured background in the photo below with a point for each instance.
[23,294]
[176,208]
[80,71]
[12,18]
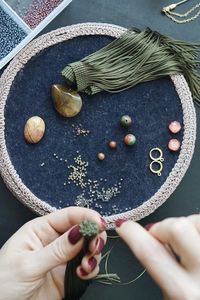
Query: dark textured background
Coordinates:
[184,201]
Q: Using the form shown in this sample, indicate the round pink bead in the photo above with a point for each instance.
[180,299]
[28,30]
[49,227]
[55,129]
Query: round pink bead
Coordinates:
[175,127]
[174,145]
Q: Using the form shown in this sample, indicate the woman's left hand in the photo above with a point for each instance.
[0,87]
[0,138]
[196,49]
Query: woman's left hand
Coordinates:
[33,260]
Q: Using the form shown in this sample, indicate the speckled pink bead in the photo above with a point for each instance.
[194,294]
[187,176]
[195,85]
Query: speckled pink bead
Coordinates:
[174,145]
[174,126]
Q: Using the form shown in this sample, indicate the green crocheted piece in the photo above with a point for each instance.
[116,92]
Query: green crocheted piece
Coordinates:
[89,229]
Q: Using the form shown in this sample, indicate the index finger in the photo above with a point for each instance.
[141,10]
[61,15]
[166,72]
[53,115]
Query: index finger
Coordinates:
[43,230]
[153,256]
[63,219]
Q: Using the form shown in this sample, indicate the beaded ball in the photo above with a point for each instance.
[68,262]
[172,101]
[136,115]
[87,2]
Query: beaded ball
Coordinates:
[126,121]
[174,126]
[129,139]
[101,156]
[174,145]
[112,145]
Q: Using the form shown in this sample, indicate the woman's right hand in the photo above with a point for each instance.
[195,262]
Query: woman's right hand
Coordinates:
[170,252]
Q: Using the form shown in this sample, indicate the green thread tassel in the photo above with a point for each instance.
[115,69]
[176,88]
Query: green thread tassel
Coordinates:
[74,287]
[132,58]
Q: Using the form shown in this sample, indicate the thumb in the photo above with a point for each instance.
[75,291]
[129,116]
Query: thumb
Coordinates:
[60,251]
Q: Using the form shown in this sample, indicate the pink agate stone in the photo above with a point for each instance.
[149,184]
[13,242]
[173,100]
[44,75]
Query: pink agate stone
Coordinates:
[174,126]
[174,145]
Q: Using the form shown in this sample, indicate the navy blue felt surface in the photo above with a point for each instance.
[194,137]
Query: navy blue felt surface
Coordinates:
[152,105]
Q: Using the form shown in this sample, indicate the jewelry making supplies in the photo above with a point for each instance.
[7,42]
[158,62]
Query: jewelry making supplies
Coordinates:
[174,145]
[37,11]
[81,201]
[67,102]
[101,156]
[59,158]
[129,139]
[114,68]
[174,127]
[10,34]
[78,172]
[79,130]
[112,145]
[126,121]
[156,166]
[178,17]
[96,194]
[34,130]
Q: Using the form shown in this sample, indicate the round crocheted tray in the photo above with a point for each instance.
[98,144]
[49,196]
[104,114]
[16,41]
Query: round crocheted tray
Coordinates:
[120,186]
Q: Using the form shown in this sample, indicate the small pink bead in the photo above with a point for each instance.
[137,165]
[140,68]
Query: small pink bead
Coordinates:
[174,145]
[175,127]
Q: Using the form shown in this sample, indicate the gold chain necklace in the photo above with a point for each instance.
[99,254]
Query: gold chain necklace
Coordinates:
[168,11]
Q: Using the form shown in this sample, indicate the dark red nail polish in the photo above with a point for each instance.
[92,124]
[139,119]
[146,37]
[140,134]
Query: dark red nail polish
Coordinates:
[100,245]
[103,224]
[92,262]
[74,235]
[148,226]
[82,272]
[119,222]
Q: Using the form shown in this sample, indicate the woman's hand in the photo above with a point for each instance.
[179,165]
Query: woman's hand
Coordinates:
[33,260]
[170,252]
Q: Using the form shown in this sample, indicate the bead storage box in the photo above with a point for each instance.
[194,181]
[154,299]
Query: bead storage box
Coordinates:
[22,20]
[88,160]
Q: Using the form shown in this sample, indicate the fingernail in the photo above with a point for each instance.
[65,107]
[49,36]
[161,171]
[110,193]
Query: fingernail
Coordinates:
[92,262]
[100,245]
[119,222]
[82,272]
[103,224]
[148,226]
[74,235]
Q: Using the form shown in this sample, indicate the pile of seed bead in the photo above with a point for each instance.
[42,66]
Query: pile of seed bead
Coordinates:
[19,6]
[38,11]
[79,130]
[10,34]
[78,172]
[107,194]
[81,201]
[91,190]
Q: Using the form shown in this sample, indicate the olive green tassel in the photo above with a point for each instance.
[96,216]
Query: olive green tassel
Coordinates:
[75,287]
[133,58]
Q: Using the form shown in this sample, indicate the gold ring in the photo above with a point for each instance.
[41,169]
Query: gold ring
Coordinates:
[159,158]
[157,172]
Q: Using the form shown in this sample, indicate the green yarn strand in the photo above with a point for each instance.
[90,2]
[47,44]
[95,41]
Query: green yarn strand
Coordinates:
[132,58]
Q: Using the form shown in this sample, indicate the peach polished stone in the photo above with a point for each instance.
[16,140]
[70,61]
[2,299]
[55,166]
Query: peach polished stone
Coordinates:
[34,130]
[174,145]
[174,126]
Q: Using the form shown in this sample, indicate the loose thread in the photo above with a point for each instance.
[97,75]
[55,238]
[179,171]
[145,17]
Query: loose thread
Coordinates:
[113,278]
